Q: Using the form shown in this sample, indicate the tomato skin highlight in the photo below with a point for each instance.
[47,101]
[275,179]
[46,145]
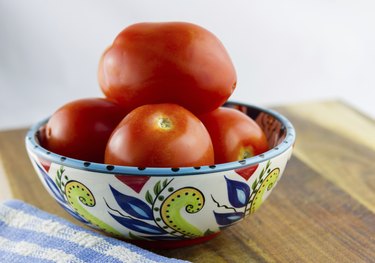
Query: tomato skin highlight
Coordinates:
[80,129]
[235,136]
[170,62]
[160,135]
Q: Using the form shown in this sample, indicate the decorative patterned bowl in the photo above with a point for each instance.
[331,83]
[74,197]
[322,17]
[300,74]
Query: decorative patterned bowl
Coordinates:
[178,206]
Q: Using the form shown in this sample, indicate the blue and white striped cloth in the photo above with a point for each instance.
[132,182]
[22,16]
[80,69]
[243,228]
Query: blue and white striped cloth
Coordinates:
[28,234]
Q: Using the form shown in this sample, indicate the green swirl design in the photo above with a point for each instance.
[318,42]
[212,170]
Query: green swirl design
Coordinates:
[267,185]
[79,197]
[188,198]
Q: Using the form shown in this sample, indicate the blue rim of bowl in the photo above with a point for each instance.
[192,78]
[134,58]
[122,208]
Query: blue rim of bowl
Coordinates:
[33,146]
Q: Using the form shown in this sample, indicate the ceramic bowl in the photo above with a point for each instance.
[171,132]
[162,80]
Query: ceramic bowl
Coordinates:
[178,206]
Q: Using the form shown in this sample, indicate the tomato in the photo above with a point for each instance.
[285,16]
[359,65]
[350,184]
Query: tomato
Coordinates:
[160,135]
[80,129]
[234,135]
[170,62]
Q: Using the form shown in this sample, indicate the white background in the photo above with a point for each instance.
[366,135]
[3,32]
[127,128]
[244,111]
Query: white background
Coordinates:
[284,51]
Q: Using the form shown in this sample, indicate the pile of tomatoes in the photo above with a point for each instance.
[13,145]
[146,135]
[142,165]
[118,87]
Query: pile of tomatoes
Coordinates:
[164,85]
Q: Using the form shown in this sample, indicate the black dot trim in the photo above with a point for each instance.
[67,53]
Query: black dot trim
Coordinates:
[242,162]
[110,167]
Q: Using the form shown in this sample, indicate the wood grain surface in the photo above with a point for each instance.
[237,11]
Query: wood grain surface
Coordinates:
[322,210]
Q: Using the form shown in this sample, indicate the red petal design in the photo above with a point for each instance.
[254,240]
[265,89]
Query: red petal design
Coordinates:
[246,172]
[135,182]
[46,164]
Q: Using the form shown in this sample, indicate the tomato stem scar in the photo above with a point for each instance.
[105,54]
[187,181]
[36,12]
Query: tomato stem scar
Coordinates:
[165,123]
[245,152]
[234,85]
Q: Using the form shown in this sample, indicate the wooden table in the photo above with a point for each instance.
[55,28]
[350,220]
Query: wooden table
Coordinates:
[323,209]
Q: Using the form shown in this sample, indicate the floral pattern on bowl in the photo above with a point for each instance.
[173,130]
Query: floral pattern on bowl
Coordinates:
[166,204]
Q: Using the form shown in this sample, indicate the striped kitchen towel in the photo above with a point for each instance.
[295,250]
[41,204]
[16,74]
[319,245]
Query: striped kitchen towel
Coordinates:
[28,234]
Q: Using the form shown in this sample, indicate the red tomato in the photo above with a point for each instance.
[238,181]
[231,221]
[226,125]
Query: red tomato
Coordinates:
[160,135]
[172,62]
[235,136]
[80,129]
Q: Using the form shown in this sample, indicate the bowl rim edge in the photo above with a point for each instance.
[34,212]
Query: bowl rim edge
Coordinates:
[33,146]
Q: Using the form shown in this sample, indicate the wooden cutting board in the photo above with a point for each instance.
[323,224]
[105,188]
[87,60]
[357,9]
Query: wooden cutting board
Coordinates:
[323,209]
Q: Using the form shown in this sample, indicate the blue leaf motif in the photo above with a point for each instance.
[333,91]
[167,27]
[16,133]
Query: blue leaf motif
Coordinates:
[51,185]
[133,206]
[138,225]
[238,193]
[224,219]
